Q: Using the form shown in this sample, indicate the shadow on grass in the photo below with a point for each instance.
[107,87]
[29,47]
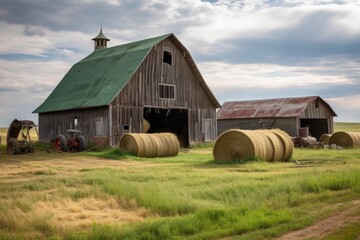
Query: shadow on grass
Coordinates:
[112,154]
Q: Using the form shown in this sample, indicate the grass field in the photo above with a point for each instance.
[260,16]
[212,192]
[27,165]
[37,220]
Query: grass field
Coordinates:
[347,127]
[111,195]
[114,195]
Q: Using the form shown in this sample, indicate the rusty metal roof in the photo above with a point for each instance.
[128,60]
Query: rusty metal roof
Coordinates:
[268,108]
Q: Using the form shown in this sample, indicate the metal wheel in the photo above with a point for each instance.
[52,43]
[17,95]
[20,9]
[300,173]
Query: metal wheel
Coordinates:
[81,140]
[60,143]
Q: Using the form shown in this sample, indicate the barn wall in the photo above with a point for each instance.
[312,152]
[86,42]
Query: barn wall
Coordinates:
[53,123]
[288,125]
[317,109]
[143,91]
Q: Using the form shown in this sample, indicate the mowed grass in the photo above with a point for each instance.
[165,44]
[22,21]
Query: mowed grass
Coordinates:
[114,195]
[82,196]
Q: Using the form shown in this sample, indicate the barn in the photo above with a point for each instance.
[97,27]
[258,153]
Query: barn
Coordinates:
[288,114]
[111,92]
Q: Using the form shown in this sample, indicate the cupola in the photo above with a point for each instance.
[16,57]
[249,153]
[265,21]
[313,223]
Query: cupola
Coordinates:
[100,40]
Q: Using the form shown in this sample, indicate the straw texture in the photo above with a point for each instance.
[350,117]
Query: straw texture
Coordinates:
[150,145]
[287,143]
[146,125]
[277,145]
[345,139]
[239,144]
[325,138]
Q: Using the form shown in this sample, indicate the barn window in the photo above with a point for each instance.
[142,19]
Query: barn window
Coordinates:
[167,91]
[126,128]
[167,58]
[74,122]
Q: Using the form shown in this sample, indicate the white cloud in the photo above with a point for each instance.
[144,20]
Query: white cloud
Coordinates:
[41,41]
[28,77]
[229,76]
[221,34]
[346,102]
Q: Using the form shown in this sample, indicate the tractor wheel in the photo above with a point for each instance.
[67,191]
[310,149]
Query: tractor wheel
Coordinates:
[13,147]
[60,143]
[30,147]
[81,140]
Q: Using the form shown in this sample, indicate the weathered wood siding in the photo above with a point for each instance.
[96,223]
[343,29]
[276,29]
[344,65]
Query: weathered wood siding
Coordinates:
[288,125]
[53,123]
[317,109]
[143,90]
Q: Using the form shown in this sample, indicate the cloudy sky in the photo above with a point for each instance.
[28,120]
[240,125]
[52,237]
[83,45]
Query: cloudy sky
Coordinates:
[245,49]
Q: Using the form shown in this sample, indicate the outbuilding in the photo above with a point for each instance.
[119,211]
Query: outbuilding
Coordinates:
[114,90]
[288,114]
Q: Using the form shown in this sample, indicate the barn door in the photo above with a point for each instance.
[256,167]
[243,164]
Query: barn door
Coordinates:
[99,125]
[208,128]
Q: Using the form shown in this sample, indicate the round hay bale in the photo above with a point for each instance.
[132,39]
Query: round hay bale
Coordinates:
[172,144]
[238,144]
[265,146]
[150,145]
[233,145]
[132,143]
[163,145]
[146,125]
[345,139]
[325,138]
[277,145]
[287,143]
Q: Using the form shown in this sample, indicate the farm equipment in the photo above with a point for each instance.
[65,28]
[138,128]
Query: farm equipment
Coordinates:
[74,141]
[304,139]
[16,146]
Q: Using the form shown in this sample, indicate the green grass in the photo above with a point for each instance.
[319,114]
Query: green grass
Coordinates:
[346,127]
[187,197]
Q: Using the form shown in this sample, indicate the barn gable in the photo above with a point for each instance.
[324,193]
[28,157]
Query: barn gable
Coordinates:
[97,79]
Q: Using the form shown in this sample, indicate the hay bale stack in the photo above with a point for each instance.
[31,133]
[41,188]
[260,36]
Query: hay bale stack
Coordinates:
[150,145]
[287,143]
[345,139]
[277,145]
[325,138]
[238,144]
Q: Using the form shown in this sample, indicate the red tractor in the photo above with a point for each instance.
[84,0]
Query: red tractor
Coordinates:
[22,144]
[74,141]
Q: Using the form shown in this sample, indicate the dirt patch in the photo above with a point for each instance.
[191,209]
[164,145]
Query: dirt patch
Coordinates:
[327,226]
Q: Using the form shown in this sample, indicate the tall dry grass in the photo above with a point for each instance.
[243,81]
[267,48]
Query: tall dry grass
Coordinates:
[63,196]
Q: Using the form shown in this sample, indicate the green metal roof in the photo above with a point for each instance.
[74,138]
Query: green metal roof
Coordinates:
[97,79]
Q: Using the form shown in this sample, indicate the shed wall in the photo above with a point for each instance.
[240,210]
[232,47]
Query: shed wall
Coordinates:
[317,109]
[53,123]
